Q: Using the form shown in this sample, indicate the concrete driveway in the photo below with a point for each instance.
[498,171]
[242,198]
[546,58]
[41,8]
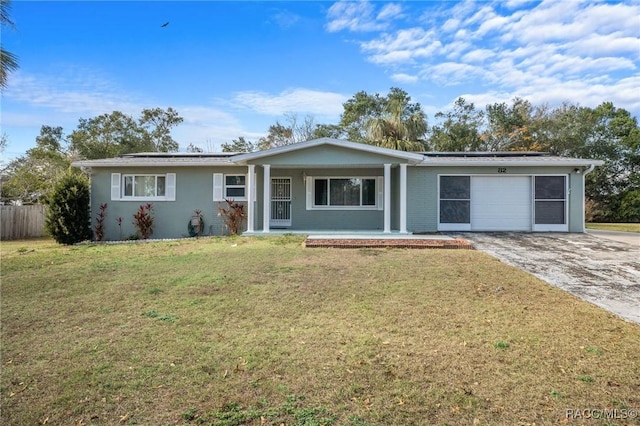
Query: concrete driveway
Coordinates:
[598,270]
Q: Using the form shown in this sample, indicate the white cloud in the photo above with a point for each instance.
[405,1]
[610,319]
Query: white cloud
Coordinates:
[550,50]
[324,104]
[403,46]
[389,11]
[353,16]
[405,78]
[80,91]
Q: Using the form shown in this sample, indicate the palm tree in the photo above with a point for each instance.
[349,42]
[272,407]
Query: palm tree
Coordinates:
[8,60]
[398,127]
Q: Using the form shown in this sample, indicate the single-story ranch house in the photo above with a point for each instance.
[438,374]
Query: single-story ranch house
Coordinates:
[335,185]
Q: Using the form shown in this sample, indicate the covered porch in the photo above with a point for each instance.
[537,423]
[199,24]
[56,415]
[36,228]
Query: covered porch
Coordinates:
[327,185]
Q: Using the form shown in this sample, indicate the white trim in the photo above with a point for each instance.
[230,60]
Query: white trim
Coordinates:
[311,205]
[266,198]
[169,187]
[387,198]
[550,227]
[282,222]
[403,198]
[452,226]
[251,194]
[225,187]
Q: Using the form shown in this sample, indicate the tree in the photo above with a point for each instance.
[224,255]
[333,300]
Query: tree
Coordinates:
[239,145]
[358,111]
[111,135]
[157,124]
[294,131]
[68,217]
[8,60]
[192,148]
[397,128]
[31,177]
[459,129]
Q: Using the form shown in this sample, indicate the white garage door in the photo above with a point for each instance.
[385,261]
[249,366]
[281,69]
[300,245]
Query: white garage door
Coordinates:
[501,203]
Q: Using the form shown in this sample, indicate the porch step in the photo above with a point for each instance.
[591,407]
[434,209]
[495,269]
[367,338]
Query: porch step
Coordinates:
[457,243]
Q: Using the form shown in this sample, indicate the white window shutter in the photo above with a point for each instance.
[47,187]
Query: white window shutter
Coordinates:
[218,179]
[309,185]
[170,189]
[380,188]
[115,186]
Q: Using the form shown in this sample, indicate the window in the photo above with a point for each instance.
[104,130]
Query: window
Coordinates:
[345,192]
[235,186]
[143,187]
[229,187]
[550,200]
[148,186]
[455,199]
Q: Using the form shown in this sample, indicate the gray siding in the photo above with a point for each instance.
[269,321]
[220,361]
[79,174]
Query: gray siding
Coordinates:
[194,190]
[422,208]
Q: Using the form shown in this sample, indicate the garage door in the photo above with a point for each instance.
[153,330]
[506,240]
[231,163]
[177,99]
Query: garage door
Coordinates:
[501,203]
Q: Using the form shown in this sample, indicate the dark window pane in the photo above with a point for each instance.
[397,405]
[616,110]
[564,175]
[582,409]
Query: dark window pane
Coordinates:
[455,187]
[321,191]
[234,180]
[550,187]
[235,192]
[344,192]
[369,192]
[455,211]
[161,185]
[128,186]
[550,213]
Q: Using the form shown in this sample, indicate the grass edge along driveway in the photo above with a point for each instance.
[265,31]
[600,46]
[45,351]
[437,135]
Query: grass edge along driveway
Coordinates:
[260,331]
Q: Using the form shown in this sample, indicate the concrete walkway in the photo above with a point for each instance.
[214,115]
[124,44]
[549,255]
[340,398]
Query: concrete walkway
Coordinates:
[598,270]
[624,237]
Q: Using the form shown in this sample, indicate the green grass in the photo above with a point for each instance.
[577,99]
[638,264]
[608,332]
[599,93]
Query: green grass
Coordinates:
[260,331]
[622,227]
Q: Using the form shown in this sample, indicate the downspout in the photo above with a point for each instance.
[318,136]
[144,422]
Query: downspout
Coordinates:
[586,172]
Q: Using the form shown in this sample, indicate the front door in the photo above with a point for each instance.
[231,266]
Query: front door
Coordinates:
[280,202]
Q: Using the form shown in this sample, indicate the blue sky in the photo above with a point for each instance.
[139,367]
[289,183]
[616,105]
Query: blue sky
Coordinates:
[233,68]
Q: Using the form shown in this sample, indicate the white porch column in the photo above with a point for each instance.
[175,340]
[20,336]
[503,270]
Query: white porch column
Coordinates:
[250,201]
[403,198]
[266,198]
[387,198]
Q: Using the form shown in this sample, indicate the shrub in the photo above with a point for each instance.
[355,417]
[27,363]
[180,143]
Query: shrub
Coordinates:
[69,219]
[99,229]
[234,216]
[143,221]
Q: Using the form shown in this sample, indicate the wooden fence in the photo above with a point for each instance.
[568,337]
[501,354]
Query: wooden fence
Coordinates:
[19,222]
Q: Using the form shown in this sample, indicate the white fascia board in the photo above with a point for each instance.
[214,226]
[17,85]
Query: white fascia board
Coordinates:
[570,162]
[411,157]
[115,162]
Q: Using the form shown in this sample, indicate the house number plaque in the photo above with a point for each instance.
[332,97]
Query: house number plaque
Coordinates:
[502,170]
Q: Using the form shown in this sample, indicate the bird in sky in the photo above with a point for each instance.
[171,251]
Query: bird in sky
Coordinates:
[165,24]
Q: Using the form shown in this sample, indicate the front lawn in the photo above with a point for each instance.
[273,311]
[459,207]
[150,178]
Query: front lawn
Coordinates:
[252,331]
[621,227]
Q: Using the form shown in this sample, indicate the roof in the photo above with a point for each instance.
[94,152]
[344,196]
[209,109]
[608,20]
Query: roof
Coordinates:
[178,159]
[152,160]
[509,160]
[412,157]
